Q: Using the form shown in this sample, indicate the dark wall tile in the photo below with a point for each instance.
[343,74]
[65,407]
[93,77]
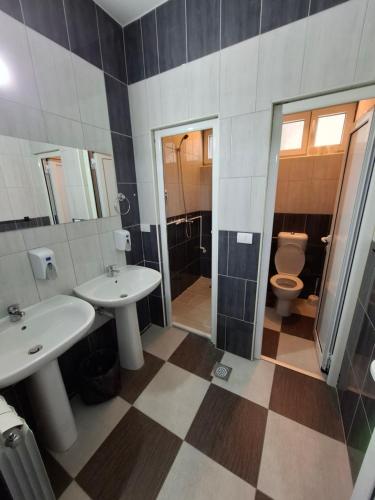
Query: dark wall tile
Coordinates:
[129,208]
[112,45]
[143,310]
[349,394]
[243,258]
[250,298]
[134,52]
[203,27]
[295,223]
[83,30]
[318,5]
[118,106]
[317,225]
[240,20]
[12,7]
[239,337]
[154,265]
[278,223]
[156,310]
[367,292]
[358,440]
[223,252]
[135,256]
[231,294]
[368,396]
[150,44]
[277,13]
[150,244]
[220,336]
[47,17]
[124,158]
[171,28]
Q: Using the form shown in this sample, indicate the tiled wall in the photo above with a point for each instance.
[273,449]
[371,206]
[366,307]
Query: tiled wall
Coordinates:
[238,83]
[238,275]
[315,226]
[356,385]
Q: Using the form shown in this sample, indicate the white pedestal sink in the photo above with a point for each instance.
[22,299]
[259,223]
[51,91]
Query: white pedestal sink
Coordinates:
[30,348]
[121,292]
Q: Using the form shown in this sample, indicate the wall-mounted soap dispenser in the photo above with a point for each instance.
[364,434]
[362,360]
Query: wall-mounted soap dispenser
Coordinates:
[43,263]
[123,240]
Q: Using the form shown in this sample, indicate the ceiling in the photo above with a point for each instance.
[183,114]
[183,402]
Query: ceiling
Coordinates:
[125,11]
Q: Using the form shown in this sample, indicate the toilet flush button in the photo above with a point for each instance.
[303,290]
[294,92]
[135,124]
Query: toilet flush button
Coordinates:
[245,238]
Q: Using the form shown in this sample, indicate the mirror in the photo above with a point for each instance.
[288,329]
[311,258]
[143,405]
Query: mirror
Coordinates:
[43,184]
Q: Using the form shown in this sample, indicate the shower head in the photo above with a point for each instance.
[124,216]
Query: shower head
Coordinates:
[182,140]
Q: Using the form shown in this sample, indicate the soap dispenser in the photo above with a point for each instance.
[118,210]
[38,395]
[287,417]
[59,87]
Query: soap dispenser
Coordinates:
[43,263]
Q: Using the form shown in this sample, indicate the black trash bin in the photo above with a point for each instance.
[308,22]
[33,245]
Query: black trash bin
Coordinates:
[100,377]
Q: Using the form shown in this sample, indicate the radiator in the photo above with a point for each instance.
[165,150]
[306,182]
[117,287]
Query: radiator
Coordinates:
[22,472]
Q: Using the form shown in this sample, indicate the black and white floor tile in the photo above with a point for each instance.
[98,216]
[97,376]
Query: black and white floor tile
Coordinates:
[174,432]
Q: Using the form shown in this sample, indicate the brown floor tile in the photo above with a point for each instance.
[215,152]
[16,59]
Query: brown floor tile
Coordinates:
[58,476]
[133,462]
[230,430]
[306,400]
[197,355]
[259,495]
[134,381]
[270,343]
[300,326]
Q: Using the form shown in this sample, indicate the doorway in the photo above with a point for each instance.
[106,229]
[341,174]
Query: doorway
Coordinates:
[321,192]
[187,176]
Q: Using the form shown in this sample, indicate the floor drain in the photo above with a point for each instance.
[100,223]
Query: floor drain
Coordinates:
[222,371]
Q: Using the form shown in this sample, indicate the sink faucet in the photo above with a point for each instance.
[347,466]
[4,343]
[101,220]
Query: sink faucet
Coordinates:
[15,314]
[112,270]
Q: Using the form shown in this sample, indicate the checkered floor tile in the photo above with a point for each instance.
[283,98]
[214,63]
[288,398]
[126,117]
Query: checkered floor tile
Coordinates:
[174,432]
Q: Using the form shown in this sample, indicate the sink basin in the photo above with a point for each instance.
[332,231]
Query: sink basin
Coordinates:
[29,349]
[54,325]
[131,284]
[121,292]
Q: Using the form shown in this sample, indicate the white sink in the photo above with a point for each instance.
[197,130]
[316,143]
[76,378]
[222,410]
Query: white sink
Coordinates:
[130,284]
[121,292]
[30,347]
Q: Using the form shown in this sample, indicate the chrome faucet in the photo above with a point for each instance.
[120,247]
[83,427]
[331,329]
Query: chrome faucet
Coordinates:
[15,314]
[112,270]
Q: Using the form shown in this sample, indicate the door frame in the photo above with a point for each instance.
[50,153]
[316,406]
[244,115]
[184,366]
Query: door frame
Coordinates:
[280,109]
[158,136]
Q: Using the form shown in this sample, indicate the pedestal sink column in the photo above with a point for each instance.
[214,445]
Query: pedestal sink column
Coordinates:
[129,337]
[52,409]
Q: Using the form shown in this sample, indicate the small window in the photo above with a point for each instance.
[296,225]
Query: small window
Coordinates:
[294,134]
[208,145]
[329,130]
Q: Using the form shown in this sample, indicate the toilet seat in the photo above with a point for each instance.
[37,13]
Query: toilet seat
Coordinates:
[286,282]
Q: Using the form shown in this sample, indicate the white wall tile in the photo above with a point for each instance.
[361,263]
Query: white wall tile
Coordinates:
[15,55]
[138,108]
[97,139]
[64,131]
[87,258]
[55,77]
[92,97]
[44,236]
[238,78]
[332,44]
[203,86]
[11,242]
[174,91]
[249,145]
[109,252]
[365,63]
[143,158]
[17,282]
[146,196]
[257,201]
[76,230]
[154,106]
[280,63]
[65,279]
[107,224]
[235,204]
[18,120]
[5,208]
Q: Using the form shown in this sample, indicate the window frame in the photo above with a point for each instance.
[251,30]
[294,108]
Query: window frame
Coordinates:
[297,117]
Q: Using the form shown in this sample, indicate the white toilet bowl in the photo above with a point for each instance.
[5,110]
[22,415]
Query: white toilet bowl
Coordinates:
[286,288]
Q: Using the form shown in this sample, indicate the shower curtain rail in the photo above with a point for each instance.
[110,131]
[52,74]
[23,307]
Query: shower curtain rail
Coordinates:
[191,219]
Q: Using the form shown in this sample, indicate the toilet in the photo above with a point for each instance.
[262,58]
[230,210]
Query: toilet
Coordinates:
[289,262]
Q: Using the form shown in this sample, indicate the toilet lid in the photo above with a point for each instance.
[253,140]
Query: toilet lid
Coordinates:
[289,259]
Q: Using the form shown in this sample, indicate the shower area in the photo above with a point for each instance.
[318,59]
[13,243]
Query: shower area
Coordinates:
[187,169]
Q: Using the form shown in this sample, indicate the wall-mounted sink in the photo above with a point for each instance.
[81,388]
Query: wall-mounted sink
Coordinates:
[30,347]
[121,292]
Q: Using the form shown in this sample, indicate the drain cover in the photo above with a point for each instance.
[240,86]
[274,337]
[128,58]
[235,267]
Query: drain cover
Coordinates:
[222,371]
[35,349]
[123,296]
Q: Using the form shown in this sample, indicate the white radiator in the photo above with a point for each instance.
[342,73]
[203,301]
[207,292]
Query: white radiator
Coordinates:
[23,475]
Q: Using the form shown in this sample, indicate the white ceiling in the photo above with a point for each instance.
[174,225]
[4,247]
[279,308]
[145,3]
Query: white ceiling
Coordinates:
[125,11]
